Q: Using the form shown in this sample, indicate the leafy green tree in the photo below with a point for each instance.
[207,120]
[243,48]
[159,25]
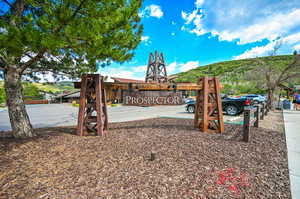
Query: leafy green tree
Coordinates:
[63,37]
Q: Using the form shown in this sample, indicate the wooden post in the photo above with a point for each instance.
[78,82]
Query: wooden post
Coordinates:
[82,102]
[246,126]
[219,105]
[197,107]
[99,108]
[204,122]
[262,111]
[92,99]
[208,112]
[256,115]
[104,107]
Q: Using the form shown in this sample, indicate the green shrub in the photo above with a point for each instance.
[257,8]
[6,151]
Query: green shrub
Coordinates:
[2,96]
[74,103]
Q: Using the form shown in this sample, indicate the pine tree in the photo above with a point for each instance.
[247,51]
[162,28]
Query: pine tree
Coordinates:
[68,37]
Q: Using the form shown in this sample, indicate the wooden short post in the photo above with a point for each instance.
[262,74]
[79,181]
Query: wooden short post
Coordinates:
[262,111]
[256,115]
[152,156]
[246,126]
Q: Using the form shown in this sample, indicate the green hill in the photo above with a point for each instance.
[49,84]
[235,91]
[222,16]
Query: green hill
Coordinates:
[233,74]
[57,87]
[32,89]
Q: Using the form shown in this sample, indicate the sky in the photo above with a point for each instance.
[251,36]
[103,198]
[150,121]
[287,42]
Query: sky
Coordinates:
[193,33]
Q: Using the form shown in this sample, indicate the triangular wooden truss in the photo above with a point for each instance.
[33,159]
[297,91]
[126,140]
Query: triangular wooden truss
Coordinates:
[208,112]
[92,116]
[156,70]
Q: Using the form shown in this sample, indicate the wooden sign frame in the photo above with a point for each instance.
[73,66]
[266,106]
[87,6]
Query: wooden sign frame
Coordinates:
[92,115]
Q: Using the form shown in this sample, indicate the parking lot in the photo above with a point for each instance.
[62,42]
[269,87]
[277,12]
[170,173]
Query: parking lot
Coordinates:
[51,115]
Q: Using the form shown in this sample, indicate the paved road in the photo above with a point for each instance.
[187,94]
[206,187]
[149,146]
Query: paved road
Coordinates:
[50,115]
[292,134]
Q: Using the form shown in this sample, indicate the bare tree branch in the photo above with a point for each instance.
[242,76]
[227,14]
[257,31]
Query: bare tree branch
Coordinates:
[289,67]
[33,60]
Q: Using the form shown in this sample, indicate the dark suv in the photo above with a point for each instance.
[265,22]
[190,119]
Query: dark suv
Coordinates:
[231,106]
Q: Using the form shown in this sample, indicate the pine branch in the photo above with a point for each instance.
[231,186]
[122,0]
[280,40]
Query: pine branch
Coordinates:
[42,51]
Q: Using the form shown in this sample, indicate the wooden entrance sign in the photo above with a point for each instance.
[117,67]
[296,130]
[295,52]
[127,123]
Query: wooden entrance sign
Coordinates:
[208,112]
[151,98]
[92,116]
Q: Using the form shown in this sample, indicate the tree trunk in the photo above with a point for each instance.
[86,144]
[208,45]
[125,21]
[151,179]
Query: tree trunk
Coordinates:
[19,119]
[270,97]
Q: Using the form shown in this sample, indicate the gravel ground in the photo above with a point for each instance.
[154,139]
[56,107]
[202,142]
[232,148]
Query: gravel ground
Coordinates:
[187,163]
[274,121]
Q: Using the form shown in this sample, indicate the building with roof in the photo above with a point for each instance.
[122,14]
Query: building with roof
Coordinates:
[68,97]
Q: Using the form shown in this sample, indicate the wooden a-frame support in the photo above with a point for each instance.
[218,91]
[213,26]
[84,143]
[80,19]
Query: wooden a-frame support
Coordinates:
[208,111]
[92,116]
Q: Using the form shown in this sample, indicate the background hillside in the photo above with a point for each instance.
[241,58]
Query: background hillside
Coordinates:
[235,75]
[33,89]
[50,87]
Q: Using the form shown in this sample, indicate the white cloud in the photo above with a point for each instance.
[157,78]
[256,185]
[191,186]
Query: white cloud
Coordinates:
[286,43]
[257,51]
[292,39]
[269,28]
[189,17]
[152,11]
[50,77]
[199,3]
[244,21]
[119,72]
[146,40]
[139,69]
[171,67]
[173,33]
[194,20]
[297,47]
[188,66]
[173,23]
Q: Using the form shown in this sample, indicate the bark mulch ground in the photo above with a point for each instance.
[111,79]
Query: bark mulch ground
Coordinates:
[187,163]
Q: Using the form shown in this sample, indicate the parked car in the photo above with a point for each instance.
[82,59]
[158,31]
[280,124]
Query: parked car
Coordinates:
[231,106]
[189,99]
[257,99]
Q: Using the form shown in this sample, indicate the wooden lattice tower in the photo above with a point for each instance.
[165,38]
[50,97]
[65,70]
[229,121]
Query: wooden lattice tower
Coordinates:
[92,116]
[156,70]
[208,112]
